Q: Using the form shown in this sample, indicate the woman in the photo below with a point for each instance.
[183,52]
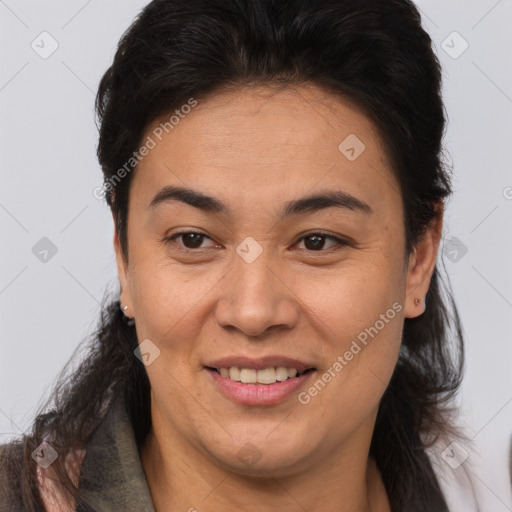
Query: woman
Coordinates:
[281,339]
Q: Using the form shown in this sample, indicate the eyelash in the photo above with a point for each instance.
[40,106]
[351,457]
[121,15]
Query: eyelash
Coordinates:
[339,241]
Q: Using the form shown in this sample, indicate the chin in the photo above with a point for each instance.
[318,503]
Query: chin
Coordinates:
[258,462]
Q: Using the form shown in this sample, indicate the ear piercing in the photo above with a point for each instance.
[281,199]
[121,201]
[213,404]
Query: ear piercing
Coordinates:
[417,301]
[128,319]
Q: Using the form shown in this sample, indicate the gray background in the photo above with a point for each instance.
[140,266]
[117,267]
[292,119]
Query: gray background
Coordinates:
[49,170]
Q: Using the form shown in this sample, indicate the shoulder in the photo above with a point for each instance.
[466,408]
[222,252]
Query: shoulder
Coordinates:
[11,460]
[451,461]
[11,465]
[49,490]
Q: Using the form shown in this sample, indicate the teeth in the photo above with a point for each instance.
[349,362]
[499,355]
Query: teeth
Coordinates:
[267,376]
[248,376]
[251,376]
[281,373]
[234,373]
[292,372]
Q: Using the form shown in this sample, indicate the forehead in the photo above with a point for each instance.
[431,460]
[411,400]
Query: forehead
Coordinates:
[262,142]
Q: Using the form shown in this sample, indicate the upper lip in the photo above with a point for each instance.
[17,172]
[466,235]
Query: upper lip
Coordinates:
[260,363]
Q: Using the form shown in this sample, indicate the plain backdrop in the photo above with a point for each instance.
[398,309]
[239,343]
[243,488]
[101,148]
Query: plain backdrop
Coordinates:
[53,55]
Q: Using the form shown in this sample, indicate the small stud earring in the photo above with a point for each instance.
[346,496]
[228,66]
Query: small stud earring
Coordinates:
[125,308]
[417,302]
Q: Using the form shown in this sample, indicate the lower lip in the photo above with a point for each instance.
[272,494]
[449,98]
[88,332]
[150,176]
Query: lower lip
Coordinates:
[259,394]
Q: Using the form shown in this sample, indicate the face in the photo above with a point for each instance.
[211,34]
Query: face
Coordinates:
[266,231]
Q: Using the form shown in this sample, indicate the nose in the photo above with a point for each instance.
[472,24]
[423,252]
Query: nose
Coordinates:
[256,299]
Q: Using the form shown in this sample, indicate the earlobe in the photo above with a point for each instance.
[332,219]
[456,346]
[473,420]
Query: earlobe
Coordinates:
[418,282]
[122,273]
[421,267]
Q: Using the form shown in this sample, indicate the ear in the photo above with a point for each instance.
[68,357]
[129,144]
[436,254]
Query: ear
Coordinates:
[122,272]
[422,263]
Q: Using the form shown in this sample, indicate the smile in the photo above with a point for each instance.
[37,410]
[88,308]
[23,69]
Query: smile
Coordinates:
[268,386]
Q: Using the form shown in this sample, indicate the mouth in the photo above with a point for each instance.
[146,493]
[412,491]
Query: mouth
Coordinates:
[266,376]
[262,387]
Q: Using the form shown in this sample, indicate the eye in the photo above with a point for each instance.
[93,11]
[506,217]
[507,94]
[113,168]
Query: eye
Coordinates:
[190,239]
[317,241]
[314,242]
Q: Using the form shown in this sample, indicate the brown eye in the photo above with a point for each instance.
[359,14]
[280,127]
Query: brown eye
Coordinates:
[190,239]
[317,241]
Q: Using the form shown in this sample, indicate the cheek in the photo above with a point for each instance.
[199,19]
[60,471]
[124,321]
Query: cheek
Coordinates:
[358,315]
[351,298]
[170,303]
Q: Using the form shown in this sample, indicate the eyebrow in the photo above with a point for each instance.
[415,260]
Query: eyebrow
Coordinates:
[307,204]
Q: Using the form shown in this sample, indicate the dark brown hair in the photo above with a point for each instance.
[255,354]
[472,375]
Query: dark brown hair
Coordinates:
[374,53]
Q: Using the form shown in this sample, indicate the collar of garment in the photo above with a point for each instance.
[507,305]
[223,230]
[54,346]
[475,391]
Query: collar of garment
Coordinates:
[112,477]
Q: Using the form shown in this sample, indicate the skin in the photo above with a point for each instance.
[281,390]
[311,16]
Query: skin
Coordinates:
[255,149]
